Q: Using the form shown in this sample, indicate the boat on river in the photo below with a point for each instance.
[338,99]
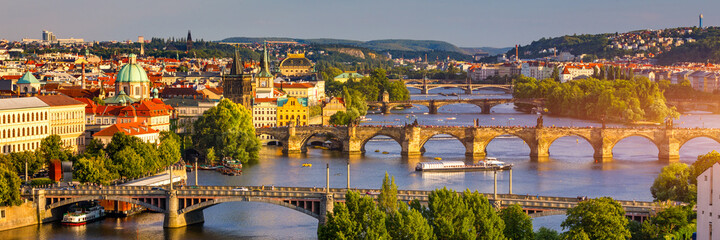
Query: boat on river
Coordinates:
[490,164]
[80,215]
[231,167]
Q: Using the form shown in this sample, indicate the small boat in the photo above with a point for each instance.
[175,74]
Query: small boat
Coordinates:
[451,118]
[385,153]
[81,216]
[438,158]
[490,164]
[426,113]
[307,165]
[377,150]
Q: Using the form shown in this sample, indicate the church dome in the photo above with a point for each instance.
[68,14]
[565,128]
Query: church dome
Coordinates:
[132,72]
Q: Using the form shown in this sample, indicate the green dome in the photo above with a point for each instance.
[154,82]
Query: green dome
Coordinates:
[132,72]
[27,78]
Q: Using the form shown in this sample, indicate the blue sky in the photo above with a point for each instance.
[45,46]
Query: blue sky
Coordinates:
[495,23]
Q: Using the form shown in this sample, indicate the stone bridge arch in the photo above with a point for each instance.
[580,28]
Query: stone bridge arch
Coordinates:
[132,200]
[501,88]
[305,135]
[397,136]
[544,146]
[212,202]
[482,138]
[428,133]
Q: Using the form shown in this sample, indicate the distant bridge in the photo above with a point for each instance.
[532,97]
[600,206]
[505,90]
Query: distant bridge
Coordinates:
[425,85]
[412,138]
[185,206]
[434,104]
[684,105]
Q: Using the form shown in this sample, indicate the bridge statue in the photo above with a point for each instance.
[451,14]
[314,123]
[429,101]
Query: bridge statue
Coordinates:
[539,122]
[669,123]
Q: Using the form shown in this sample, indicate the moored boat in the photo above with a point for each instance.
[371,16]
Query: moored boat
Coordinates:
[81,216]
[487,165]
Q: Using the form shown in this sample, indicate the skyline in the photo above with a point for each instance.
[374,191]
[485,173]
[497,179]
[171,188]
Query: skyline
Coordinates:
[455,22]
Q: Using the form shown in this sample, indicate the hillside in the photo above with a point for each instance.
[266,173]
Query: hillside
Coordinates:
[489,50]
[376,45]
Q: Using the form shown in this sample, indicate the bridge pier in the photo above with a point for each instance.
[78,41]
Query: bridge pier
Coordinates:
[432,107]
[173,219]
[327,204]
[353,145]
[468,90]
[385,108]
[486,108]
[411,145]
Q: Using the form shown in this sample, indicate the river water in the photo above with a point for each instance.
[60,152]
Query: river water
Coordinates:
[570,172]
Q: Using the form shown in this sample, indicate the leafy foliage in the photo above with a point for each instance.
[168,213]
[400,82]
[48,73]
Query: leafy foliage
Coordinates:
[9,187]
[674,183]
[96,169]
[601,218]
[228,128]
[638,99]
[518,225]
[51,148]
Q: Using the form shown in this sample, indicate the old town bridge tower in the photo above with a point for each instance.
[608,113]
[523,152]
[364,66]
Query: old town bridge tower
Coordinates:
[238,85]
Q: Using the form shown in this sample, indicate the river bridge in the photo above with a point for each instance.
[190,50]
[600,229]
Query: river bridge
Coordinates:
[425,85]
[184,206]
[413,137]
[434,104]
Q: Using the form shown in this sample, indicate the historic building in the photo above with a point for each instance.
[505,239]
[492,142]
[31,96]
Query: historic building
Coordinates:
[296,65]
[238,85]
[131,85]
[264,79]
[137,129]
[708,191]
[24,122]
[28,84]
[292,110]
[67,119]
[332,106]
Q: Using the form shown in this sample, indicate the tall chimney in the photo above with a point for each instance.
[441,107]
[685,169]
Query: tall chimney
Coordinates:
[517,57]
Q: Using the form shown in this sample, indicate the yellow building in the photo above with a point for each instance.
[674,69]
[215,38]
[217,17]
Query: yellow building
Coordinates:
[292,110]
[331,107]
[296,65]
[24,122]
[67,119]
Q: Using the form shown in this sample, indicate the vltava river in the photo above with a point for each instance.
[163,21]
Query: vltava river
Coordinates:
[570,172]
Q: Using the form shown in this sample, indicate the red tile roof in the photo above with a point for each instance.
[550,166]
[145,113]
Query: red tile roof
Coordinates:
[59,100]
[132,129]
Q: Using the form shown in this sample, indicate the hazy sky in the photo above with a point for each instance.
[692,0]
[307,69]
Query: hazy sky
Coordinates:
[495,23]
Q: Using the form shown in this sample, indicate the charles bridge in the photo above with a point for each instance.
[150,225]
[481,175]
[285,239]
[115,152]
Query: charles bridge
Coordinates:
[434,104]
[413,137]
[184,206]
[425,85]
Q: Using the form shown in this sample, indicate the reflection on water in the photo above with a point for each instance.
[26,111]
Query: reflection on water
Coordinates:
[570,171]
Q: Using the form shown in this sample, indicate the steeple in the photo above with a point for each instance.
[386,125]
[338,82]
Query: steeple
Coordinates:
[237,66]
[265,70]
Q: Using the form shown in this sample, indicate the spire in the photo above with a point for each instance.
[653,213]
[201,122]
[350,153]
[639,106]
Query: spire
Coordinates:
[237,67]
[265,70]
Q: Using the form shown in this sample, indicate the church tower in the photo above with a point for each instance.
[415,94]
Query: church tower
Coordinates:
[237,86]
[264,79]
[188,46]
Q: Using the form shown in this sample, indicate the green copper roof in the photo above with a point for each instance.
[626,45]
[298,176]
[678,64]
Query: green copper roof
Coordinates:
[132,72]
[265,70]
[27,78]
[121,98]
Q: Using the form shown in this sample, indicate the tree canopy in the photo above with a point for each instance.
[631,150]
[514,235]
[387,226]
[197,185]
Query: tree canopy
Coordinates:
[638,99]
[600,218]
[674,183]
[228,129]
[9,187]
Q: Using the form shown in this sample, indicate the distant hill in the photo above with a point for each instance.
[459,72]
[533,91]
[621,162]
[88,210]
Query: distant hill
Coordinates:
[490,50]
[376,45]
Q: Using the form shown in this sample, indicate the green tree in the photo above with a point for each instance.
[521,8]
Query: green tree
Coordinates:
[601,218]
[449,215]
[673,183]
[407,223]
[388,200]
[18,159]
[518,225]
[169,149]
[357,218]
[51,148]
[98,101]
[488,224]
[546,234]
[94,170]
[210,157]
[704,162]
[228,128]
[94,148]
[130,164]
[672,218]
[339,118]
[9,187]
